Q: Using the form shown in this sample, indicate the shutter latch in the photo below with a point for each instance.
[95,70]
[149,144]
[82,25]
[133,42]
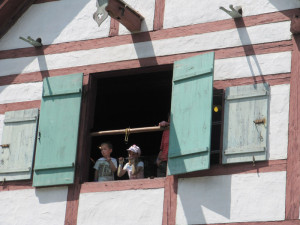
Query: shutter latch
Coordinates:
[260,121]
[5,146]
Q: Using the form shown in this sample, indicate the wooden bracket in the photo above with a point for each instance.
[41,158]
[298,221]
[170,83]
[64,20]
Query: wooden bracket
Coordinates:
[295,24]
[234,12]
[101,14]
[126,15]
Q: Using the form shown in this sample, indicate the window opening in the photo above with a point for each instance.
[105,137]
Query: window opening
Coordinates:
[133,101]
[137,101]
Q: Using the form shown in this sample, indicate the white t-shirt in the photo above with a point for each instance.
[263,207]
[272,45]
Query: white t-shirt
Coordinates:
[128,168]
[104,171]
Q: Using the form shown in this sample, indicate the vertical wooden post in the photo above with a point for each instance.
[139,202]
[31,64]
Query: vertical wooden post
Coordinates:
[159,14]
[170,200]
[82,156]
[293,160]
[114,27]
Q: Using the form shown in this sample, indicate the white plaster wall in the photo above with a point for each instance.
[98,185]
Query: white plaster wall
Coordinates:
[279,122]
[146,8]
[21,92]
[56,22]
[190,12]
[132,207]
[33,206]
[216,40]
[1,128]
[231,198]
[251,66]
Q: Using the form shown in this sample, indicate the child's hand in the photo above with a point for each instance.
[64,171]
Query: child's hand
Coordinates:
[164,124]
[158,161]
[121,160]
[131,161]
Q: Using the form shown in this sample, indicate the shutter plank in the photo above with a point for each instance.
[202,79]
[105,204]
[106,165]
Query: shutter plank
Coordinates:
[191,114]
[58,131]
[19,132]
[243,140]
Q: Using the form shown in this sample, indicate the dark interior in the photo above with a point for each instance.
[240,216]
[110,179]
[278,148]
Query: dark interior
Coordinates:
[136,101]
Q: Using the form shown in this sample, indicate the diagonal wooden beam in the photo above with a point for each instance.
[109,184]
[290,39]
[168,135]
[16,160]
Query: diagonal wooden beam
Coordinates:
[10,12]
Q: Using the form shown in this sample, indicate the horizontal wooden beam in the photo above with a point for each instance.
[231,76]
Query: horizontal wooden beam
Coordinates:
[129,131]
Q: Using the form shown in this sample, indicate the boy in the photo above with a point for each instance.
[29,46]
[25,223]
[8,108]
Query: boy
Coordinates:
[134,167]
[105,166]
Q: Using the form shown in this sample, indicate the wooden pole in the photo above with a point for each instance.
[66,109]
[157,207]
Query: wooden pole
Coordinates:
[129,130]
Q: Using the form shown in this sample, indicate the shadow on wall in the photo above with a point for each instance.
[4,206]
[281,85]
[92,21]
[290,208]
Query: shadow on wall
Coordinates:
[203,200]
[279,4]
[144,50]
[58,21]
[51,195]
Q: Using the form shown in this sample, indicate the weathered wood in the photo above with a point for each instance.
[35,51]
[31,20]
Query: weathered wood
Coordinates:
[10,12]
[244,140]
[58,131]
[19,134]
[295,24]
[126,15]
[19,106]
[293,160]
[159,14]
[129,131]
[170,200]
[123,185]
[114,27]
[240,168]
[191,114]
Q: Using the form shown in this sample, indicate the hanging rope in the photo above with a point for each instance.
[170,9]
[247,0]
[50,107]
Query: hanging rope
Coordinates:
[127,133]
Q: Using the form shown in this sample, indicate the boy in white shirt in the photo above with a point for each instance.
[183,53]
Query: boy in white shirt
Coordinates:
[105,166]
[135,167]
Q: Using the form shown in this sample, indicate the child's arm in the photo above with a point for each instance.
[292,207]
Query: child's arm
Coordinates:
[96,176]
[158,160]
[111,164]
[121,172]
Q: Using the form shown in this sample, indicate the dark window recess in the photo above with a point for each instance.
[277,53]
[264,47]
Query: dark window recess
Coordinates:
[135,101]
[217,121]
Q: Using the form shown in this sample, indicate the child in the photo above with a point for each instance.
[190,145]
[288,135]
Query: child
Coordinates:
[105,166]
[134,167]
[162,158]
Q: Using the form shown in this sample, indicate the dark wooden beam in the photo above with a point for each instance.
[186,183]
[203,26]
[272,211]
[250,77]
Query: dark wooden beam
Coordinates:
[125,14]
[10,12]
[295,24]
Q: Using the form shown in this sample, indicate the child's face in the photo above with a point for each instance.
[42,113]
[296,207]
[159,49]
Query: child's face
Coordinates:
[105,151]
[132,154]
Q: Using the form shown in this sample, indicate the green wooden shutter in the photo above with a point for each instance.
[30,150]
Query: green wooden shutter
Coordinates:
[19,133]
[58,131]
[191,114]
[243,139]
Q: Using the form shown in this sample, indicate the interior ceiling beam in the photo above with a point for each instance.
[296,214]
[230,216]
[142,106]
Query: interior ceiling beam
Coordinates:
[10,12]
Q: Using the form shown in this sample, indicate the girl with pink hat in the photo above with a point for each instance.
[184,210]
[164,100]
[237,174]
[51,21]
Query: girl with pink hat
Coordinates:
[134,167]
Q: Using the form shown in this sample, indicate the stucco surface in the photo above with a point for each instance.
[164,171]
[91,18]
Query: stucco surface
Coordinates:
[132,207]
[279,122]
[231,198]
[172,46]
[202,11]
[33,206]
[21,92]
[56,22]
